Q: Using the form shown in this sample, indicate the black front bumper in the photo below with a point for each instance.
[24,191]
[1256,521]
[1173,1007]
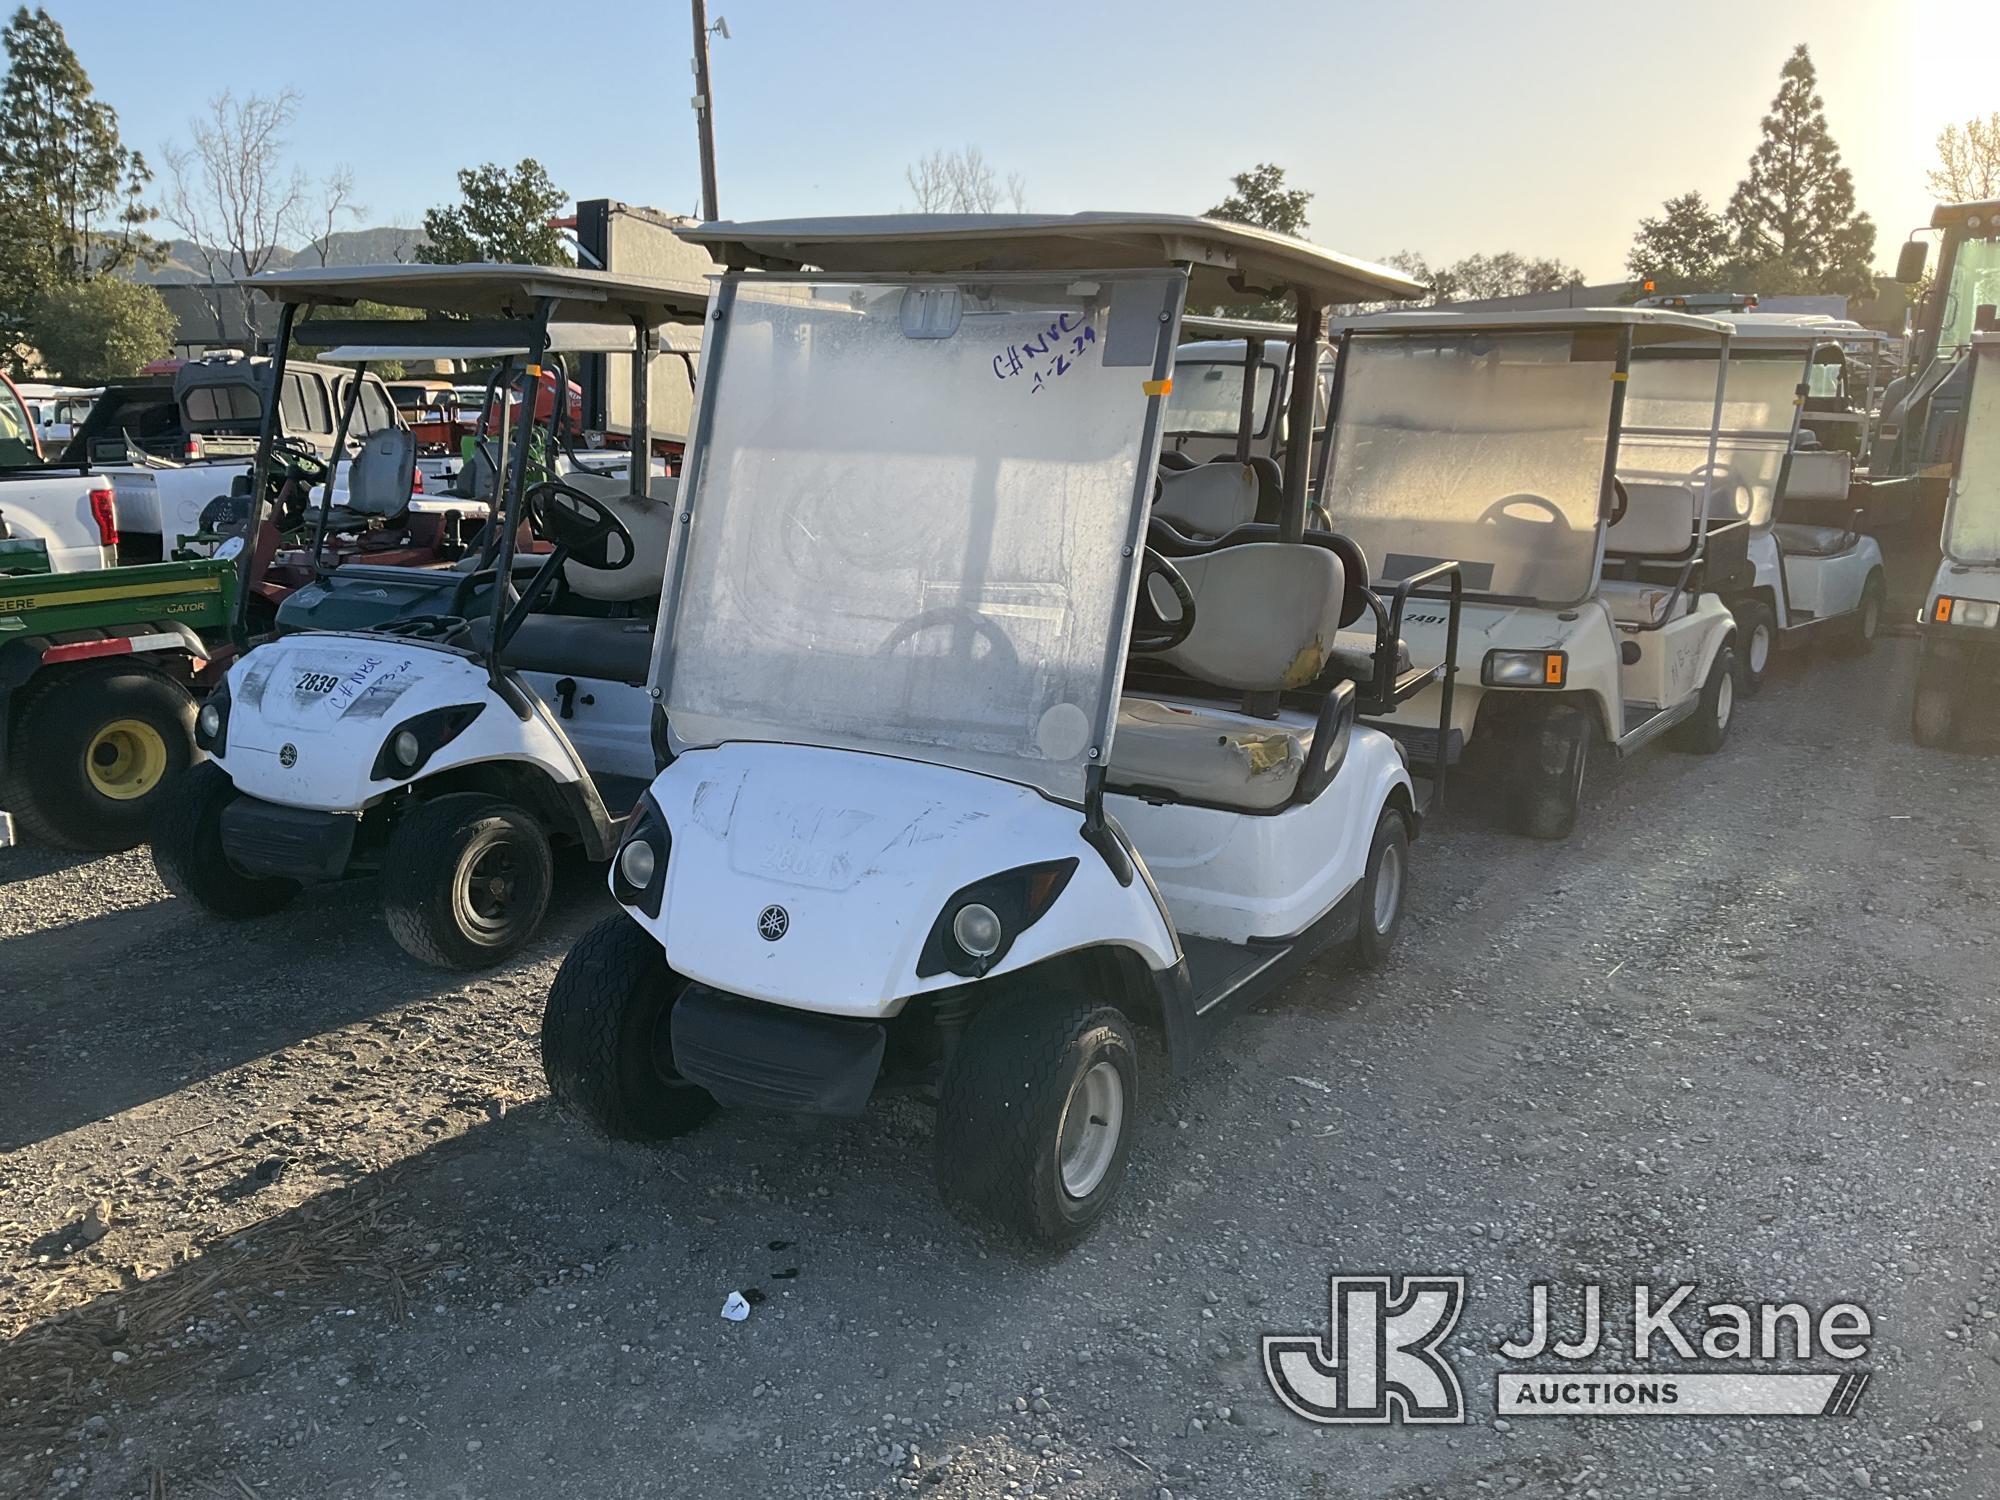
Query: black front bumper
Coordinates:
[760,1056]
[263,838]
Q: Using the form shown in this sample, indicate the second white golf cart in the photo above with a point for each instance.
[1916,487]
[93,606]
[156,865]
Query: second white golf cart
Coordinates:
[919,822]
[448,752]
[1528,447]
[1813,575]
[1958,665]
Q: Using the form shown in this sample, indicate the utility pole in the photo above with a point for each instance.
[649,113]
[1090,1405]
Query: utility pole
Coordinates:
[704,109]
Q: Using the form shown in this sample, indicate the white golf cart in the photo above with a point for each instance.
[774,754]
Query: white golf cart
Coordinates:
[920,821]
[1808,580]
[445,751]
[1959,629]
[1577,507]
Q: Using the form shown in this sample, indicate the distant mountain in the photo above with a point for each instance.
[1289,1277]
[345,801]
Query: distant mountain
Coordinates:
[354,247]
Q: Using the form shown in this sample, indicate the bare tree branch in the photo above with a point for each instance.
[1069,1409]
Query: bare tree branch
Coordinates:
[962,182]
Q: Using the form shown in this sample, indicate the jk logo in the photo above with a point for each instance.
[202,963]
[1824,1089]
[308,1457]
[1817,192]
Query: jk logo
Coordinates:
[1379,1359]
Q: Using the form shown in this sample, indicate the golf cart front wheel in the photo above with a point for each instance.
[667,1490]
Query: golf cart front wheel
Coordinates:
[1757,628]
[607,1041]
[1860,639]
[1035,1115]
[94,752]
[1382,886]
[1707,731]
[188,852]
[466,880]
[1551,756]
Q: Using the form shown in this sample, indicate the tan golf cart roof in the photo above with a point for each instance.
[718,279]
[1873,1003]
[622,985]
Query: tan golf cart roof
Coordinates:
[1200,326]
[1798,329]
[1649,325]
[1229,262]
[564,338]
[492,291]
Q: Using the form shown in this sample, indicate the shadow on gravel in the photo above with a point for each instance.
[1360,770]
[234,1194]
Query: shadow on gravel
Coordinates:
[32,861]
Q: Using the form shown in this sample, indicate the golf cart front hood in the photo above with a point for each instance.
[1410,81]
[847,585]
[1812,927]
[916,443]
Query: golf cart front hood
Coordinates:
[1482,628]
[308,714]
[849,859]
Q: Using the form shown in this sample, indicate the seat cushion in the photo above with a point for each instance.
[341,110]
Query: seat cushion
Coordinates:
[1353,657]
[1209,499]
[1207,754]
[575,646]
[1802,540]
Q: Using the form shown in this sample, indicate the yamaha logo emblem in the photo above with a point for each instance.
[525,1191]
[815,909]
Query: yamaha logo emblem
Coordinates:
[288,756]
[773,922]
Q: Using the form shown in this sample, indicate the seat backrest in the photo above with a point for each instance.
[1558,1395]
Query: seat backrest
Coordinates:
[1819,474]
[1208,499]
[380,476]
[1658,521]
[651,522]
[478,478]
[1266,614]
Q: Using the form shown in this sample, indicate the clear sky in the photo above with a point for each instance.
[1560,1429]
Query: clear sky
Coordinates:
[1443,126]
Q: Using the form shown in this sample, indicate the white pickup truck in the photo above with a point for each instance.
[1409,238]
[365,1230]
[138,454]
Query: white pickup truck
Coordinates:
[153,455]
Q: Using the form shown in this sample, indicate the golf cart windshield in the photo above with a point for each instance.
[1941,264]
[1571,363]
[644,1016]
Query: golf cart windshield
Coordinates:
[1485,447]
[1207,399]
[1972,522]
[913,503]
[1669,409]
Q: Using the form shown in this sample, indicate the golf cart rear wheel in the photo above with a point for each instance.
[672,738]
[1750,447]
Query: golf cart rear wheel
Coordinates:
[1551,755]
[1382,886]
[466,880]
[1708,729]
[94,750]
[1859,638]
[1035,1115]
[188,853]
[607,1046]
[1757,629]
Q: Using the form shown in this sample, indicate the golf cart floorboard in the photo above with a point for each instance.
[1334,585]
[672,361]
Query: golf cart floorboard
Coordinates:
[1224,976]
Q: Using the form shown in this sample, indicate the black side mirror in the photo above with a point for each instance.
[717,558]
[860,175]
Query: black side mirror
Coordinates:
[1985,318]
[1916,254]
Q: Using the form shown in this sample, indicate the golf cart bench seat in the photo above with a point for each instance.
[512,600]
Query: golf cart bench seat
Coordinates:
[649,520]
[575,646]
[1797,539]
[1213,499]
[1265,620]
[1206,753]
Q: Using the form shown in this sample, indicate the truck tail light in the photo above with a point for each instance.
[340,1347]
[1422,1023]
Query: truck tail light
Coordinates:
[192,449]
[416,481]
[104,511]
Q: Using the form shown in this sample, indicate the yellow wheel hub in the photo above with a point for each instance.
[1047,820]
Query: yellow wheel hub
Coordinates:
[126,759]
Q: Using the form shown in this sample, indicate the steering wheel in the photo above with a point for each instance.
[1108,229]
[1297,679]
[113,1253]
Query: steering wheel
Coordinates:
[1002,649]
[1161,634]
[1542,503]
[297,460]
[1621,501]
[581,523]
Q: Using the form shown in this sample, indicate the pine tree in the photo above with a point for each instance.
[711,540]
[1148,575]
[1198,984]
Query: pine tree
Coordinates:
[1793,216]
[72,188]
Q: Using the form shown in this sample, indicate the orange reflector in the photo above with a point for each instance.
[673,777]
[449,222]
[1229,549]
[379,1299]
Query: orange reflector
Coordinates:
[1618,377]
[1942,614]
[1159,387]
[1552,669]
[534,372]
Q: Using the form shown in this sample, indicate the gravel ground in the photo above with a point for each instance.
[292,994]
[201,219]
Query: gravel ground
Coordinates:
[283,1214]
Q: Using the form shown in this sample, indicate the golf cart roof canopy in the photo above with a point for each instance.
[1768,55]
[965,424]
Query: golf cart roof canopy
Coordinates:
[1227,262]
[491,291]
[1797,330]
[1649,325]
[564,338]
[1200,326]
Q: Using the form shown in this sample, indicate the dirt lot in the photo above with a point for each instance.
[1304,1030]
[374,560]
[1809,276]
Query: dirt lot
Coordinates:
[283,1214]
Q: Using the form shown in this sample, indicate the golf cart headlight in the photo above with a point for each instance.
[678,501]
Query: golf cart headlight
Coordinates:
[1978,614]
[414,741]
[1525,669]
[636,863]
[977,930]
[211,725]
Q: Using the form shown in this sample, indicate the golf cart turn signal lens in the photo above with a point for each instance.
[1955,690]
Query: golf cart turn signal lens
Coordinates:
[976,929]
[636,863]
[1942,612]
[1525,669]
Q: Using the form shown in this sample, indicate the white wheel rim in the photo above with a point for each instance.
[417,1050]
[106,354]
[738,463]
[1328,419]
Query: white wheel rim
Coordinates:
[1760,649]
[1093,1123]
[1725,700]
[1388,887]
